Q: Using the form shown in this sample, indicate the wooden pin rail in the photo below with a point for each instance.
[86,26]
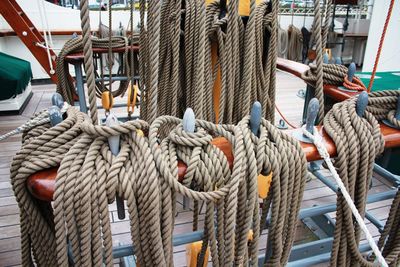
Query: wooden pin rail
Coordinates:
[79,56]
[297,69]
[42,184]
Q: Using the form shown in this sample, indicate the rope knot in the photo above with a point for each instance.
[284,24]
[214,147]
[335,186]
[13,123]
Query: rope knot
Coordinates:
[199,138]
[122,129]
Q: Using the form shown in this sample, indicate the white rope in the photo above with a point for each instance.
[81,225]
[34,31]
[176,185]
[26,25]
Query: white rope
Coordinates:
[317,140]
[40,119]
[43,19]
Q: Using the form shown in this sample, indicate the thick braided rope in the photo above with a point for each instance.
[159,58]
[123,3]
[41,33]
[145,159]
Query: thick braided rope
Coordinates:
[358,141]
[205,163]
[282,43]
[185,72]
[89,179]
[153,27]
[66,86]
[247,83]
[317,140]
[280,154]
[295,43]
[319,84]
[327,17]
[88,59]
[382,104]
[41,152]
[272,57]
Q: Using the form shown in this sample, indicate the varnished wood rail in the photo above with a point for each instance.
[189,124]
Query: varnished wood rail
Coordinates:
[42,184]
[297,69]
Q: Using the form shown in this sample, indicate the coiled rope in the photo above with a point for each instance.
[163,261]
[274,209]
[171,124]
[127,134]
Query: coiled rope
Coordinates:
[43,150]
[66,86]
[185,72]
[358,141]
[333,74]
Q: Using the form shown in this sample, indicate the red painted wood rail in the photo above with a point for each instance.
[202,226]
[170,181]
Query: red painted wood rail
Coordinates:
[73,57]
[42,184]
[297,69]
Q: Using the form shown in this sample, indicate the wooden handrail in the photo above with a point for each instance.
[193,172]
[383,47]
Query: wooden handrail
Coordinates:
[79,56]
[42,184]
[292,67]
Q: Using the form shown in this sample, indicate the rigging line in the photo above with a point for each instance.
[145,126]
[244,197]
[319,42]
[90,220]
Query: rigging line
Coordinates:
[378,54]
[41,11]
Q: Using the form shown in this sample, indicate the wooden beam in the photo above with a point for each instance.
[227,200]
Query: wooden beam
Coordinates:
[29,35]
[42,184]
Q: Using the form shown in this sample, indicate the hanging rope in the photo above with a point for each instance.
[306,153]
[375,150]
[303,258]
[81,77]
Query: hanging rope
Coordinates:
[88,59]
[184,66]
[333,74]
[317,140]
[358,141]
[378,53]
[294,43]
[282,43]
[317,38]
[66,86]
[42,149]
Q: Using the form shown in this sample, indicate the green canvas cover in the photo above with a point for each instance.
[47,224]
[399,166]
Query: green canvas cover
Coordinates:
[15,75]
[389,80]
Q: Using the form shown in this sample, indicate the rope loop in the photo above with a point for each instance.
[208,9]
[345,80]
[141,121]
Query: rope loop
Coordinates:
[181,137]
[122,129]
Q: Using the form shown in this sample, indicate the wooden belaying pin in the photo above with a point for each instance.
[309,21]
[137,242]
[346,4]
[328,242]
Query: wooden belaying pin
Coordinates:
[113,143]
[263,181]
[255,118]
[189,125]
[351,71]
[55,115]
[362,103]
[57,100]
[189,121]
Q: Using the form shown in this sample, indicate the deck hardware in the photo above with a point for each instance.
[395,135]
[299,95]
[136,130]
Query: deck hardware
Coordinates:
[113,142]
[55,115]
[362,103]
[255,118]
[312,113]
[57,100]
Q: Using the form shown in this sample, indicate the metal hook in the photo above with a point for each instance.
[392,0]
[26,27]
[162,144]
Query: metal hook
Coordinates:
[312,113]
[351,71]
[189,121]
[255,118]
[55,115]
[57,100]
[362,103]
[113,143]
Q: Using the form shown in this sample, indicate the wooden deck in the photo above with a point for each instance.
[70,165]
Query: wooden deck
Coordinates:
[287,86]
